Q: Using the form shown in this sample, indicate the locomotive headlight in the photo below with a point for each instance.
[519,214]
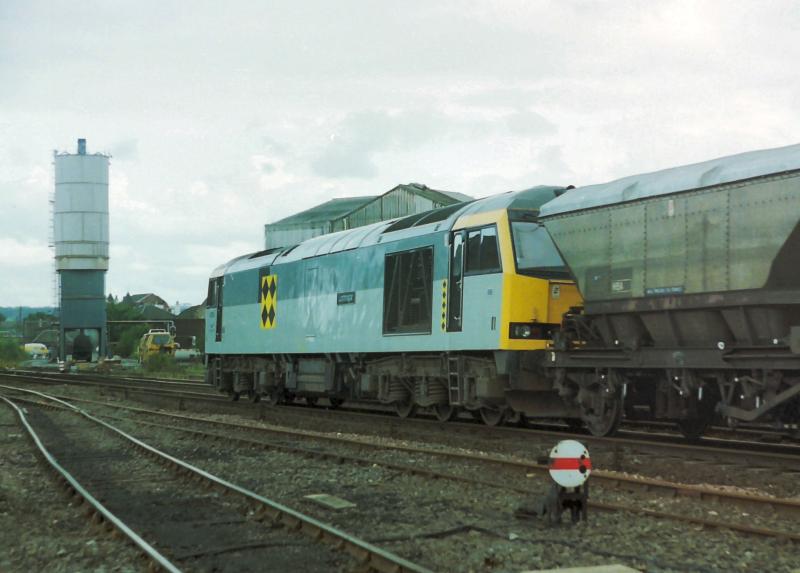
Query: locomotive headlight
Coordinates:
[521,330]
[530,330]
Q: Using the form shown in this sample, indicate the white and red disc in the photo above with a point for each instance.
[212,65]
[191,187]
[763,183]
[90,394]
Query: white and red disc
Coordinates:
[570,464]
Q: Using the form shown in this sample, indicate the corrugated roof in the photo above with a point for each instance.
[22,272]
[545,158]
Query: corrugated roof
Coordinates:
[328,211]
[445,197]
[196,311]
[676,179]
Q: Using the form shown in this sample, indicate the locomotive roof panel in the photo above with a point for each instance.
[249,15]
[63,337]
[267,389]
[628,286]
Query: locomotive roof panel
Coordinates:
[531,199]
[676,179]
[425,223]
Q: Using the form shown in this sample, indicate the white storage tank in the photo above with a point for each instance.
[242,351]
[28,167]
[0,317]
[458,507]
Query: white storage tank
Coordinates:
[81,210]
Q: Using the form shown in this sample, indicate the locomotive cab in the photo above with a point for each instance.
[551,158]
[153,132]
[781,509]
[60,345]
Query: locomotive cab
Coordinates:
[506,276]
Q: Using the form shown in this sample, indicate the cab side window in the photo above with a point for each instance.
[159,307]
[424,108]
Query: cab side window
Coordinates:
[483,255]
[408,292]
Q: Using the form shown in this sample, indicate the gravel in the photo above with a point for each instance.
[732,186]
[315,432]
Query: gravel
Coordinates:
[41,529]
[460,527]
[452,526]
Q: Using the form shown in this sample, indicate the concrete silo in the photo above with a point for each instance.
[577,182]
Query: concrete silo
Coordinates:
[80,217]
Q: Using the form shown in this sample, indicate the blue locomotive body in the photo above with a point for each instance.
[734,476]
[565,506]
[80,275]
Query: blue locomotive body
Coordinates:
[416,311]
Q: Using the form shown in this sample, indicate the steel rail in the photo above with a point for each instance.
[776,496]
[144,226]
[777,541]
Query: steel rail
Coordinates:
[607,478]
[369,555]
[421,471]
[118,384]
[416,470]
[627,425]
[97,507]
[434,474]
[724,447]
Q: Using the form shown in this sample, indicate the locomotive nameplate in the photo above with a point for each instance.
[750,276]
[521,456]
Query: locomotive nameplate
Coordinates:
[346,297]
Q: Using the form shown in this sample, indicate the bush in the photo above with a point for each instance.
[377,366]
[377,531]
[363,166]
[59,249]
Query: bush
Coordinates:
[10,352]
[161,363]
[129,340]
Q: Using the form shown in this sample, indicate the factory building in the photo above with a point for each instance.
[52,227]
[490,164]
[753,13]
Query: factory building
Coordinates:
[80,221]
[351,212]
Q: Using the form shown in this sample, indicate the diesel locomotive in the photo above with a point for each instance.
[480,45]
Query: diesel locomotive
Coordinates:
[449,309]
[671,295]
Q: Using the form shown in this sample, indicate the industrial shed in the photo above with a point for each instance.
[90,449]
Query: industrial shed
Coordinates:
[190,327]
[351,212]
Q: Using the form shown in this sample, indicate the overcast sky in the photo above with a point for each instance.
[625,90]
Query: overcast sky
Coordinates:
[223,116]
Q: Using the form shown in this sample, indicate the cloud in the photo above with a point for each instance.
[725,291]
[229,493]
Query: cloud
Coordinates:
[345,159]
[529,123]
[356,141]
[14,253]
[125,150]
[234,115]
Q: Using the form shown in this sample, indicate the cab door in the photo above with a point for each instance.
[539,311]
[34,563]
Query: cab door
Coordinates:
[215,303]
[455,284]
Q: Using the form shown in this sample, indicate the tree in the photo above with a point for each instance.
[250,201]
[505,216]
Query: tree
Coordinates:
[124,337]
[40,316]
[2,318]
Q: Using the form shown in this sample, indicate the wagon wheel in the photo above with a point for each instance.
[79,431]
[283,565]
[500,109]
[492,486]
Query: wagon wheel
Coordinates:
[445,412]
[405,409]
[700,414]
[311,401]
[255,396]
[234,396]
[600,399]
[605,414]
[492,416]
[693,428]
[335,402]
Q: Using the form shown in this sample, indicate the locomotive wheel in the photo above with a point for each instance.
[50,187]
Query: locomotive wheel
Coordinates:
[255,397]
[491,416]
[405,409]
[445,412]
[518,419]
[273,397]
[234,396]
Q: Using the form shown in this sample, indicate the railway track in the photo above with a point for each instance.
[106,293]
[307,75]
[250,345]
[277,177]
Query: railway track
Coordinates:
[745,433]
[183,517]
[724,453]
[512,476]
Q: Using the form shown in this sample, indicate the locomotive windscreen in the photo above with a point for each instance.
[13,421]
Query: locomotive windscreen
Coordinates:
[535,253]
